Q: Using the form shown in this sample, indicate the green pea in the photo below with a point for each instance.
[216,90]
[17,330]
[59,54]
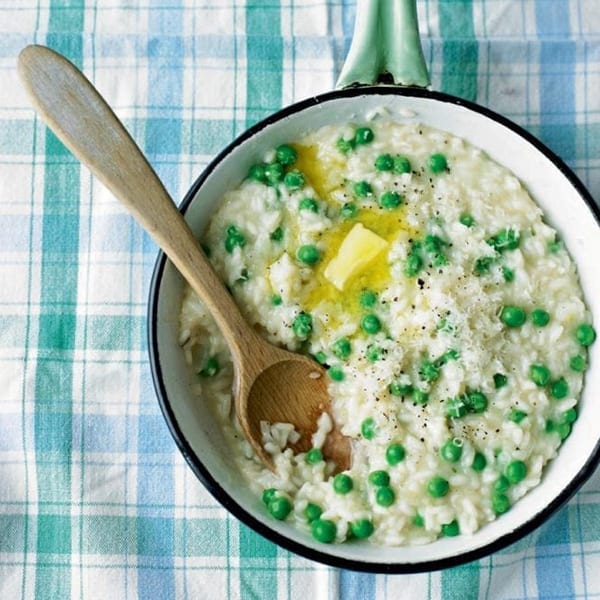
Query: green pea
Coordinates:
[540,317]
[385,496]
[434,246]
[501,484]
[428,371]
[508,274]
[367,428]
[563,430]
[235,239]
[280,507]
[451,354]
[342,483]
[394,454]
[362,528]
[433,243]
[379,478]
[585,334]
[344,146]
[363,135]
[286,155]
[294,180]
[363,189]
[456,407]
[507,239]
[384,162]
[452,450]
[438,487]
[320,357]
[578,363]
[232,230]
[277,234]
[555,246]
[539,374]
[314,456]
[414,263]
[483,265]
[302,326]
[211,367]
[500,503]
[559,389]
[257,173]
[268,495]
[336,373]
[420,396]
[569,416]
[373,353]
[309,204]
[397,388]
[476,402]
[513,316]
[550,426]
[342,348]
[516,471]
[274,173]
[467,220]
[349,210]
[390,200]
[401,165]
[438,163]
[479,462]
[323,530]
[370,324]
[308,254]
[451,529]
[312,512]
[418,520]
[500,380]
[367,298]
[516,415]
[276,300]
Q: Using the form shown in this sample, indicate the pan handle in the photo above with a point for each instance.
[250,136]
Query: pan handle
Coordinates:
[385,44]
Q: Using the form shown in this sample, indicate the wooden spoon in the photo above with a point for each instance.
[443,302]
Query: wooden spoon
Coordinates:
[270,384]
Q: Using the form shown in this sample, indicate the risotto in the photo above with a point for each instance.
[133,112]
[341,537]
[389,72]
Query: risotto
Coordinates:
[448,315]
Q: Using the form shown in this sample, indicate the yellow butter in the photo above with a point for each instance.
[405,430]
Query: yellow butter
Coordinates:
[355,253]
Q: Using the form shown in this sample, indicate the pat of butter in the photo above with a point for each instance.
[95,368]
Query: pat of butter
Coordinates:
[355,253]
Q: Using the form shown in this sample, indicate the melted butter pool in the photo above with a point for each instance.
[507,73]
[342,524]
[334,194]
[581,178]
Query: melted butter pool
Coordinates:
[326,177]
[323,176]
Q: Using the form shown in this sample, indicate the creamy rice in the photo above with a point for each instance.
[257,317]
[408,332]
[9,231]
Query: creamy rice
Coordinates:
[453,402]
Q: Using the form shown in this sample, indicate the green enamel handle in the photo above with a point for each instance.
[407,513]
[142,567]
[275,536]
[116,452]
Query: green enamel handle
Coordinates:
[385,42]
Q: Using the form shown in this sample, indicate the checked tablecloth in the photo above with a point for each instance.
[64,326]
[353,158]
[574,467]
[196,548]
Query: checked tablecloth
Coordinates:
[95,500]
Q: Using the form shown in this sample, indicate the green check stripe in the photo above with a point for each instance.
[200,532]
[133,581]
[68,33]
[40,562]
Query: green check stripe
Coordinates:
[264,55]
[459,48]
[258,563]
[57,327]
[461,583]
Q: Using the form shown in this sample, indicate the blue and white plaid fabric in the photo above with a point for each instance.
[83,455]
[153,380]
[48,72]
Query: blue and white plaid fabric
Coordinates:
[95,500]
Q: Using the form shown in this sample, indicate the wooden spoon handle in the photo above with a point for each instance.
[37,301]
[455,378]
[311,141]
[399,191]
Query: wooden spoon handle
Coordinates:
[84,122]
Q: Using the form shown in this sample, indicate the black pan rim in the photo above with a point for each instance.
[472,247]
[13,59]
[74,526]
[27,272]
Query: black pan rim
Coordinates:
[202,472]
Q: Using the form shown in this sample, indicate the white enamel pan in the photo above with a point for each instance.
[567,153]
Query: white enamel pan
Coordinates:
[385,44]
